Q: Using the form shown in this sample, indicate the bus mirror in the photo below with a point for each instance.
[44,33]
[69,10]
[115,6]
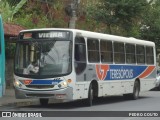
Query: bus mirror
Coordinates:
[13,39]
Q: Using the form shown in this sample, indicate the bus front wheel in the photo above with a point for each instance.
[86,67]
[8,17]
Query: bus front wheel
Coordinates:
[90,96]
[43,101]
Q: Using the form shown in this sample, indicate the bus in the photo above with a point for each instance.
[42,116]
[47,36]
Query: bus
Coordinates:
[2,59]
[69,64]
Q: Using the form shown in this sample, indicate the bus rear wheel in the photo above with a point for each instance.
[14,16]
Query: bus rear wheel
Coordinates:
[135,94]
[43,101]
[136,90]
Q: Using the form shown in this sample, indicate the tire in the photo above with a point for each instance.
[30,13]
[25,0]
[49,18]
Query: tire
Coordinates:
[43,101]
[135,94]
[90,96]
[136,90]
[158,88]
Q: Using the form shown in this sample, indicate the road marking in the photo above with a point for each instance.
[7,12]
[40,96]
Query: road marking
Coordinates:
[130,118]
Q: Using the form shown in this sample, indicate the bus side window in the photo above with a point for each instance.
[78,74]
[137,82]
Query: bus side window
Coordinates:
[140,54]
[106,51]
[119,55]
[149,55]
[130,53]
[80,55]
[93,50]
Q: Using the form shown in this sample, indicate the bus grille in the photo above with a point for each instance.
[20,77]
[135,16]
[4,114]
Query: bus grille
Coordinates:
[40,86]
[39,95]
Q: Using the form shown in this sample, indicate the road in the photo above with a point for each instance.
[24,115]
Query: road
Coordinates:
[148,101]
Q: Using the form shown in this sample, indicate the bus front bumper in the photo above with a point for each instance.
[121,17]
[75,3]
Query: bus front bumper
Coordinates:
[61,94]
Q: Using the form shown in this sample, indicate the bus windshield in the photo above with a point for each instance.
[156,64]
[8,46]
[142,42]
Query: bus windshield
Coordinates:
[43,58]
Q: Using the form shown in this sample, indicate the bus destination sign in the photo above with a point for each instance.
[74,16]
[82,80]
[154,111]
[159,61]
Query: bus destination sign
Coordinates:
[53,35]
[46,35]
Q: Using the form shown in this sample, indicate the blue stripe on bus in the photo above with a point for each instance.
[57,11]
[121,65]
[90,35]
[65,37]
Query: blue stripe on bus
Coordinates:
[122,72]
[45,82]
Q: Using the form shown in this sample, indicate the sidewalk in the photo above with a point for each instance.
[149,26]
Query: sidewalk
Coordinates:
[9,99]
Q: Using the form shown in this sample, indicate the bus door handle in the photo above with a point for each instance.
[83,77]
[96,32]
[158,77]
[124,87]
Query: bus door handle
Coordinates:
[90,69]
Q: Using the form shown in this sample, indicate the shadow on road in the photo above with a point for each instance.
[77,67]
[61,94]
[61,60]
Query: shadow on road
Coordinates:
[82,103]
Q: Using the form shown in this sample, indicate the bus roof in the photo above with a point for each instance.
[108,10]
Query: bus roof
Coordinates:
[99,36]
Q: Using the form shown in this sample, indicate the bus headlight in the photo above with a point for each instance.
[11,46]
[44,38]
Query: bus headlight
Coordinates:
[17,83]
[63,84]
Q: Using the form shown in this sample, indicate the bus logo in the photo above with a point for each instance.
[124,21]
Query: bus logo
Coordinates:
[101,71]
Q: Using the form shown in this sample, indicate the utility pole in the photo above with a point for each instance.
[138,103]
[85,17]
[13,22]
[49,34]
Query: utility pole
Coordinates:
[74,7]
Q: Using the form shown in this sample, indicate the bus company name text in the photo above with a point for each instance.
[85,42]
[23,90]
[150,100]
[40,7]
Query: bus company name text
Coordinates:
[121,73]
[51,35]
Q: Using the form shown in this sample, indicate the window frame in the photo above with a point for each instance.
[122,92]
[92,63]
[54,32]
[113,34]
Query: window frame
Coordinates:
[130,53]
[149,55]
[119,53]
[79,63]
[139,54]
[108,52]
[93,50]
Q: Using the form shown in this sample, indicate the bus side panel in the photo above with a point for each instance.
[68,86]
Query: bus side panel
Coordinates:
[128,86]
[112,88]
[119,79]
[81,90]
[149,82]
[83,81]
[109,86]
[116,88]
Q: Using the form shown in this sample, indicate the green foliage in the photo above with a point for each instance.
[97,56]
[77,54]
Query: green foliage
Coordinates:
[119,15]
[5,10]
[17,8]
[10,50]
[136,18]
[9,11]
[38,15]
[13,2]
[150,29]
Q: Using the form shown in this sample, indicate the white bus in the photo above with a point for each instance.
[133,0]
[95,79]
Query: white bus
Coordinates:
[70,64]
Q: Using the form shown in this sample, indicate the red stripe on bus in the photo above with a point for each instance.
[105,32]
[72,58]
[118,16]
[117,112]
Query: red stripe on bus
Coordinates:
[147,72]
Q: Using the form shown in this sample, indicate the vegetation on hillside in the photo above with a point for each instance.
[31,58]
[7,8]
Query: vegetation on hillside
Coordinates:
[131,18]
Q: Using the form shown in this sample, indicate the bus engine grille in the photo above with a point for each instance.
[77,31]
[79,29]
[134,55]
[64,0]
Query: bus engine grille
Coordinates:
[40,86]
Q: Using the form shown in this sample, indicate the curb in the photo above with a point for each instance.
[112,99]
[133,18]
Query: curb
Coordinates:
[19,104]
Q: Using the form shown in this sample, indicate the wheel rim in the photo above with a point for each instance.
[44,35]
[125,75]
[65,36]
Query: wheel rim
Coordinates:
[90,96]
[136,92]
[136,89]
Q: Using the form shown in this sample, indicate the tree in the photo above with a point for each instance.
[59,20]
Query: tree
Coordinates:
[120,15]
[9,11]
[150,29]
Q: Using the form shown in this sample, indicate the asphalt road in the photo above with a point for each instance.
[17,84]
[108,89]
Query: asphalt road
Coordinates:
[148,101]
